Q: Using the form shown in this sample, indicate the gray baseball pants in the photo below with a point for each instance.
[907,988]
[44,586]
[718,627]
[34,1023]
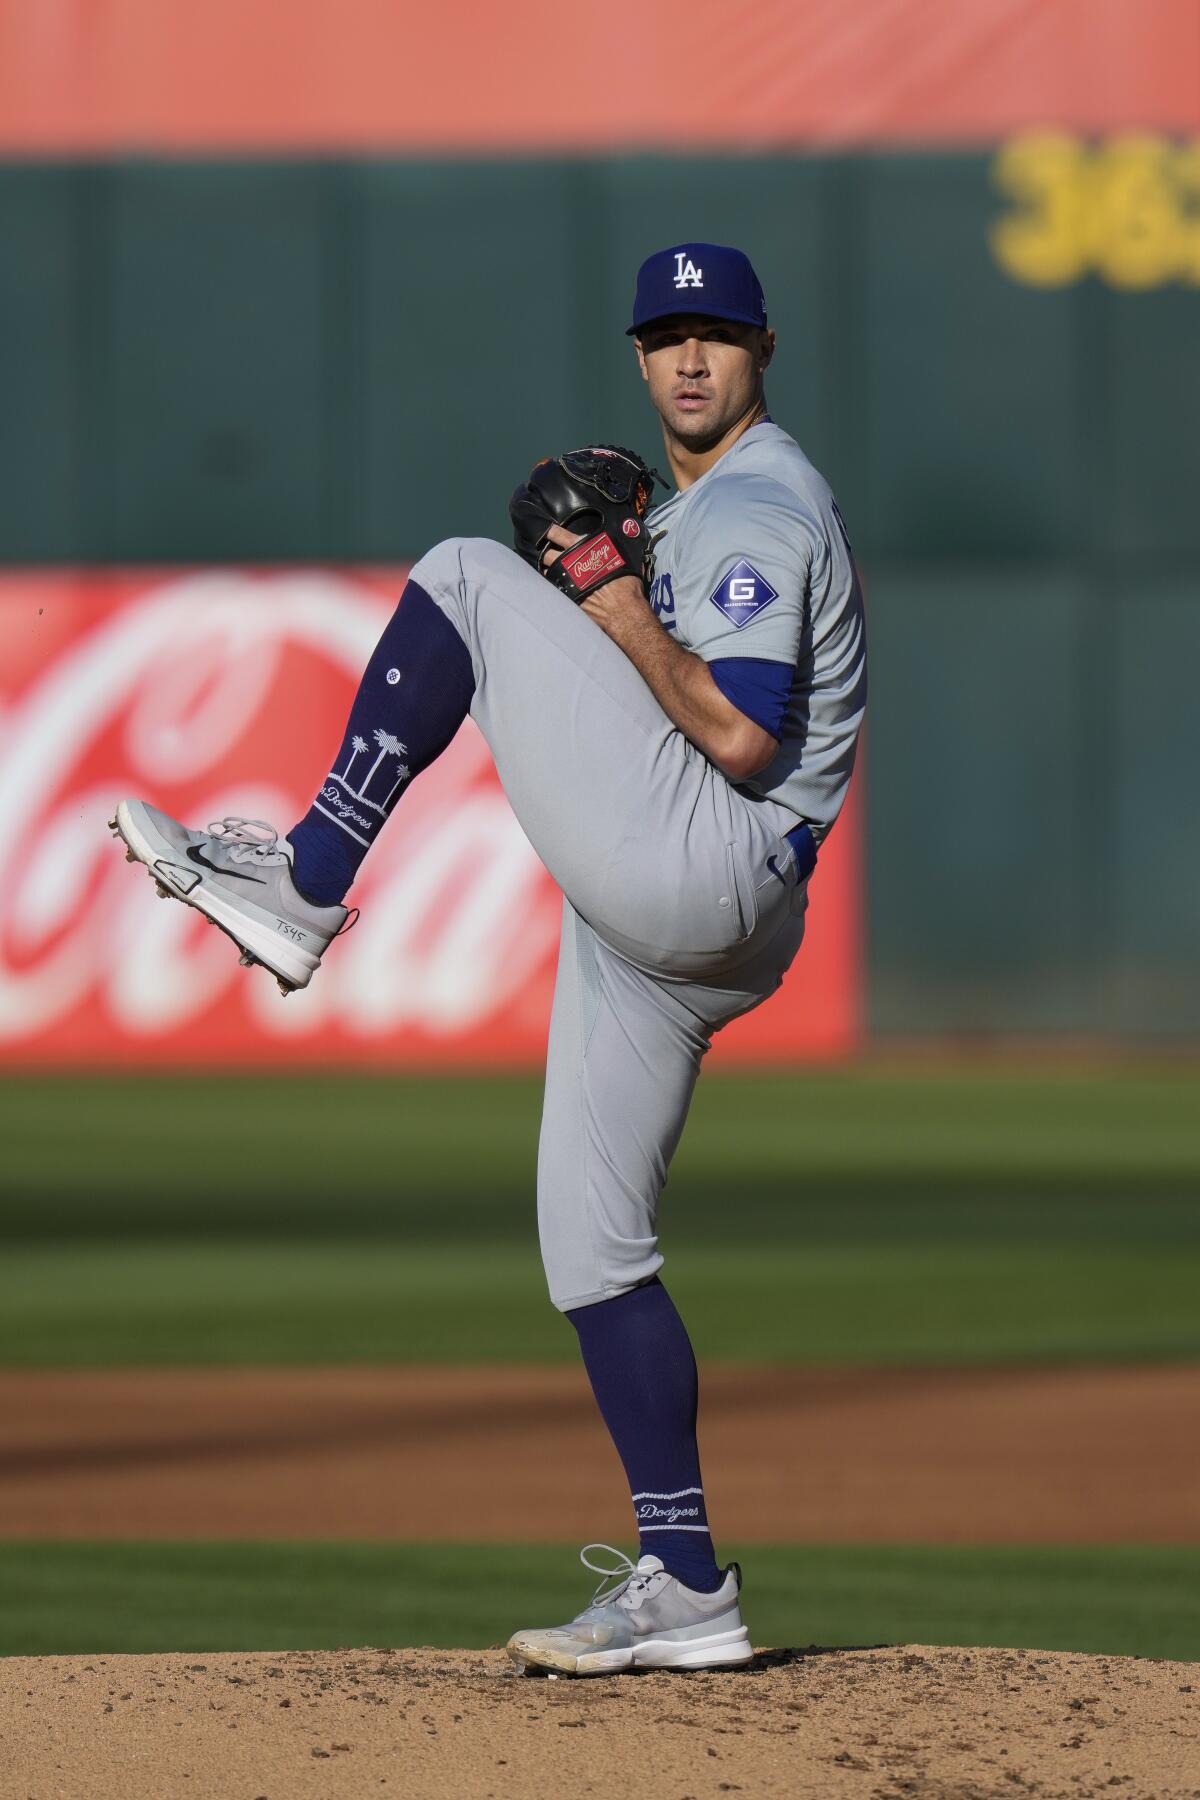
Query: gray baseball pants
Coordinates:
[683,903]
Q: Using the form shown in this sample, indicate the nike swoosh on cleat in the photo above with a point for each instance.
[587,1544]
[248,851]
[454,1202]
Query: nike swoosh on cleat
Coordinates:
[196,855]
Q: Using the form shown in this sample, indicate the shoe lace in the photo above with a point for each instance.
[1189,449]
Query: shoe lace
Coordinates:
[251,840]
[623,1573]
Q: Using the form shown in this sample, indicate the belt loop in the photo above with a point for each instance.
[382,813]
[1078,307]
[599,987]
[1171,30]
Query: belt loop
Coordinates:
[804,849]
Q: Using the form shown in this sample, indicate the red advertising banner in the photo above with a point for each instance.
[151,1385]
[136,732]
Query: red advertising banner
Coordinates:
[222,691]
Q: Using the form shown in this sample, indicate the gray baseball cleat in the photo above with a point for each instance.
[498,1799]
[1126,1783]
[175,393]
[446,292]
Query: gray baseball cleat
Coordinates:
[648,1620]
[240,875]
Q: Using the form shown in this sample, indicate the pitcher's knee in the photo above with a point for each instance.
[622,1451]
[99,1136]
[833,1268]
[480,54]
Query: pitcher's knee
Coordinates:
[575,1281]
[440,567]
[465,560]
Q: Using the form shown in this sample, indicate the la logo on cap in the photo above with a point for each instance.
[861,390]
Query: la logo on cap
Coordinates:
[686,272]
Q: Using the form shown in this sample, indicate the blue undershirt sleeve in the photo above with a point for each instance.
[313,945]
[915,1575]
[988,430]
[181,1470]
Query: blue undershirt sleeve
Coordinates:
[759,688]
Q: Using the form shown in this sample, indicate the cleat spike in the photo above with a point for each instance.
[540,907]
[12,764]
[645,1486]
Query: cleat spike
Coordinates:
[247,961]
[112,824]
[285,987]
[163,893]
[129,856]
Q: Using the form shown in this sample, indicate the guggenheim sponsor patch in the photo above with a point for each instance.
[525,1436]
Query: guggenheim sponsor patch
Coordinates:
[742,594]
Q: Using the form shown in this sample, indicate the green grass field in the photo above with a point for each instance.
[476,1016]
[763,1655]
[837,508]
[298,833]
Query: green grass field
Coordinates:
[106,1597]
[860,1215]
[1104,1155]
[869,1214]
[242,1300]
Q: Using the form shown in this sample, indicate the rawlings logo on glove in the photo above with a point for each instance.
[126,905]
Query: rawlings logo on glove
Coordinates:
[604,492]
[595,560]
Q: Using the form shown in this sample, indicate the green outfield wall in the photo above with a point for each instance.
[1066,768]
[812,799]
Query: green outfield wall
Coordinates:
[995,357]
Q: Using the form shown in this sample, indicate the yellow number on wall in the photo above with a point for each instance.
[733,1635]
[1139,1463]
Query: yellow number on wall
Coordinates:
[1047,242]
[1127,210]
[1137,237]
[1187,175]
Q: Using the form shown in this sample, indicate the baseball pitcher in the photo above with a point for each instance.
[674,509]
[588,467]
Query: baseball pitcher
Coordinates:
[672,694]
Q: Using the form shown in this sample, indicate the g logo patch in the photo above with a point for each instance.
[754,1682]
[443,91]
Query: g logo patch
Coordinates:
[743,593]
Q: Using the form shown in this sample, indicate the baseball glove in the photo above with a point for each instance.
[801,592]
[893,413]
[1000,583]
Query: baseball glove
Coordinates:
[602,491]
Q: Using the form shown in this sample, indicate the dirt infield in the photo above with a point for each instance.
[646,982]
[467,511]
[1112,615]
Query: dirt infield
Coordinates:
[888,1724]
[939,1456]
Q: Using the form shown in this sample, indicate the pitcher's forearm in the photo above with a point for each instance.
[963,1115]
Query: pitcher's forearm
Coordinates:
[681,682]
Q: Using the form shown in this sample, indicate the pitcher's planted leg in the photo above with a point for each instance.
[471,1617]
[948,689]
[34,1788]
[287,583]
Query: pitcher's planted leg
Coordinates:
[640,1363]
[622,1064]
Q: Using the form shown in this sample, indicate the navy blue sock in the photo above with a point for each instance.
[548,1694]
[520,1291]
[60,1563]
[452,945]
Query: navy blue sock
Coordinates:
[414,694]
[642,1369]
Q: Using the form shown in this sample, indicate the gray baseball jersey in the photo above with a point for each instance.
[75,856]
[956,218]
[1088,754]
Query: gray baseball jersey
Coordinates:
[684,900]
[754,572]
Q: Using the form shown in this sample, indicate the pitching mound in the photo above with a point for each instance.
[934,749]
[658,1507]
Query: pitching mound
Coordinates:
[885,1724]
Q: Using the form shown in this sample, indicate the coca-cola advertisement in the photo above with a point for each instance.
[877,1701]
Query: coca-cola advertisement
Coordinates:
[220,691]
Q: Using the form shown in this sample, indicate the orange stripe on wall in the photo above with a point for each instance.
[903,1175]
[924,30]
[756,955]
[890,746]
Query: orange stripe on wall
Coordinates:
[108,75]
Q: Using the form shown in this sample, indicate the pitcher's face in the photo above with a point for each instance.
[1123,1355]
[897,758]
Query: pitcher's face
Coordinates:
[704,375]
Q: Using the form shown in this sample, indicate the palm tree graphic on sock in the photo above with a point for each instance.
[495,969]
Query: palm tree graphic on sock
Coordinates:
[402,774]
[388,746]
[357,745]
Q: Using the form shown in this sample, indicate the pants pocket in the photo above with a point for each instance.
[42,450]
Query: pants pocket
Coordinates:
[743,901]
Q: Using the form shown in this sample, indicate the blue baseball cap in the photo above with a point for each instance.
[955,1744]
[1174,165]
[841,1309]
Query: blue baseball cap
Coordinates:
[710,279]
